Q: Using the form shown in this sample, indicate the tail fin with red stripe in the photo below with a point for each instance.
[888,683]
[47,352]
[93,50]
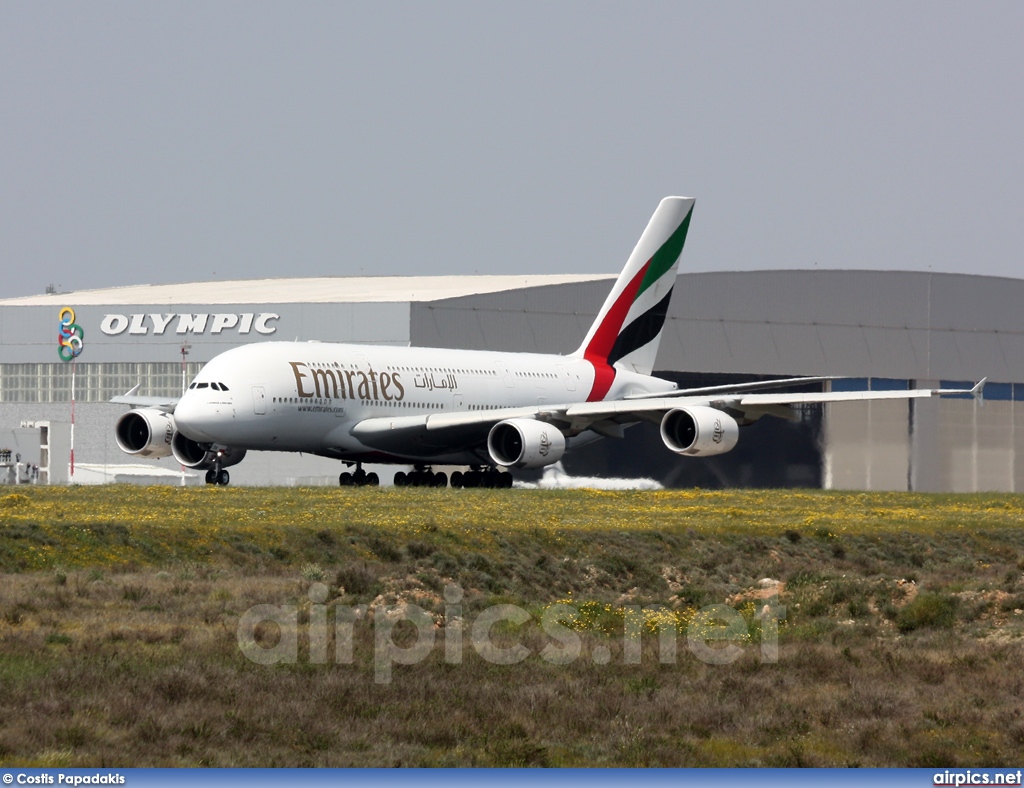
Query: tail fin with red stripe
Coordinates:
[628,328]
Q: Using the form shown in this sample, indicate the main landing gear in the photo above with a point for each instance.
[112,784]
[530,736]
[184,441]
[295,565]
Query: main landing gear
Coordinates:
[422,476]
[359,479]
[490,478]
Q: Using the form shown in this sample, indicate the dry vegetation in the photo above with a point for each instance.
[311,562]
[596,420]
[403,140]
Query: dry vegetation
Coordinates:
[901,645]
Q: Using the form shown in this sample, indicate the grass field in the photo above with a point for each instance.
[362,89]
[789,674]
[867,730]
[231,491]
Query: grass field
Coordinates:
[901,644]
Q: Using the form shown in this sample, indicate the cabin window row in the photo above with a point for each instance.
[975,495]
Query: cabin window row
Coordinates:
[324,401]
[399,368]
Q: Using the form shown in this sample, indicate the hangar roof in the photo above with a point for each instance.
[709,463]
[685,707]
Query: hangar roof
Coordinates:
[316,290]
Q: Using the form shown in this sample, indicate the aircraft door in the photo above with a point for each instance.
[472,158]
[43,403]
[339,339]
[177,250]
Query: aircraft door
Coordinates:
[457,404]
[259,400]
[567,377]
[510,382]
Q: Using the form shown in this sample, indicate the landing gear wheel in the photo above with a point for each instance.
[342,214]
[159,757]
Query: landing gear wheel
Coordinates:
[400,479]
[440,480]
[371,480]
[457,480]
[223,478]
[345,480]
[211,476]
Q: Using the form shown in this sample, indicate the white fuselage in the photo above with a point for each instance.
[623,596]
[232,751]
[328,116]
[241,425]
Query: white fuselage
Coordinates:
[307,396]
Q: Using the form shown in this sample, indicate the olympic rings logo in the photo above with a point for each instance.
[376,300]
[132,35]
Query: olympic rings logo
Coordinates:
[70,335]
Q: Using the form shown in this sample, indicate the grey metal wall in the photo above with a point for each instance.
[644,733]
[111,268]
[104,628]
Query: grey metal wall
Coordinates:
[857,323]
[947,445]
[550,319]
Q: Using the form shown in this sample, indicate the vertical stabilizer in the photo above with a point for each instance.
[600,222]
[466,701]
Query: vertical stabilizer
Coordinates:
[628,328]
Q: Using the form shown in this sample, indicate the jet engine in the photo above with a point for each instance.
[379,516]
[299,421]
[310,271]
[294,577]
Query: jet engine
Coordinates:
[201,457]
[146,432]
[525,443]
[698,430]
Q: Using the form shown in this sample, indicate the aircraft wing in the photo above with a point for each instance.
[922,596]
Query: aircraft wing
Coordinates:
[754,405]
[166,404]
[451,431]
[732,388]
[438,432]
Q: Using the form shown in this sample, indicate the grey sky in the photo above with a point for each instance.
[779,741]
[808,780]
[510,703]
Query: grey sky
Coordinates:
[168,142]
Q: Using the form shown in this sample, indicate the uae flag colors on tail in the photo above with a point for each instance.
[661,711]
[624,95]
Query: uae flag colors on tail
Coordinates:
[628,328]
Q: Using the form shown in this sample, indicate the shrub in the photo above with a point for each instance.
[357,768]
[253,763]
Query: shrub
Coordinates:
[479,562]
[358,580]
[445,563]
[419,549]
[804,577]
[928,609]
[1015,602]
[858,607]
[133,593]
[384,549]
[312,572]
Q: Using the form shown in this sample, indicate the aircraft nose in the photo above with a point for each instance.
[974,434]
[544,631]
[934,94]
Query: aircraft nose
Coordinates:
[193,418]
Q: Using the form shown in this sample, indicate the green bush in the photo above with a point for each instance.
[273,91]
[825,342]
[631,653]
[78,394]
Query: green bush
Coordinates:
[358,580]
[928,609]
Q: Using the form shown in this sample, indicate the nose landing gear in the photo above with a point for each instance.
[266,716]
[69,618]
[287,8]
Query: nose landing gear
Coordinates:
[217,475]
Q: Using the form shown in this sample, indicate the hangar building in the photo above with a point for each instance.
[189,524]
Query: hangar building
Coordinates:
[876,329]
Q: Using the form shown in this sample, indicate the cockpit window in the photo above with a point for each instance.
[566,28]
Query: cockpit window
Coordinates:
[215,386]
[202,385]
[192,386]
[223,387]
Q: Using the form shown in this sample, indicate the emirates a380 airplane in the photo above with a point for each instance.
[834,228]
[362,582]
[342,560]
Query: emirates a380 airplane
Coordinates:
[485,410]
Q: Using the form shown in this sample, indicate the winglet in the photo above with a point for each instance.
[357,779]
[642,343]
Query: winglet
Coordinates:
[978,392]
[133,390]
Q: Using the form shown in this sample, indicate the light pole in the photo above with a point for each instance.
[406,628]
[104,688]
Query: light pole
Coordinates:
[185,348]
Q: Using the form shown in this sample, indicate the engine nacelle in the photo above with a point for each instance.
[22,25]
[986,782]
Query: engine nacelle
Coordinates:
[699,431]
[200,457]
[525,443]
[146,432]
